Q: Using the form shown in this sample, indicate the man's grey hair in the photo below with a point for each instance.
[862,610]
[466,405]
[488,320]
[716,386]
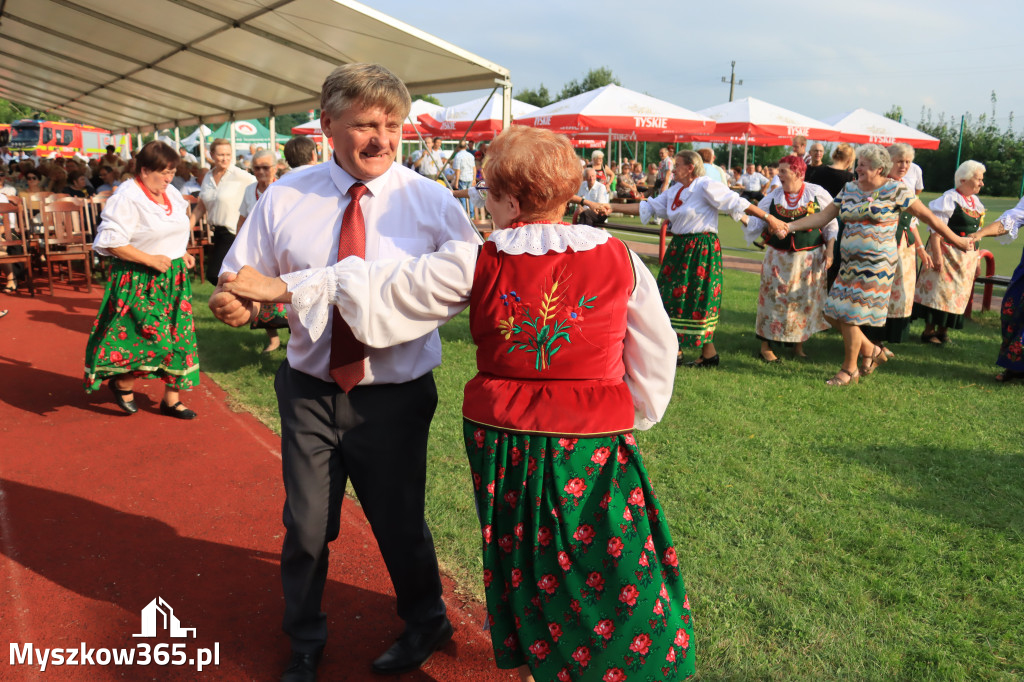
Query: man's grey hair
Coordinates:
[370,85]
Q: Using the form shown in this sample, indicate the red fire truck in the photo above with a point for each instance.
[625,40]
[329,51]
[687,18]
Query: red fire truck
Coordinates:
[65,139]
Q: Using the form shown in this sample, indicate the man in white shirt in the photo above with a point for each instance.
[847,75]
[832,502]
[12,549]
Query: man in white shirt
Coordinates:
[593,198]
[753,184]
[375,431]
[464,166]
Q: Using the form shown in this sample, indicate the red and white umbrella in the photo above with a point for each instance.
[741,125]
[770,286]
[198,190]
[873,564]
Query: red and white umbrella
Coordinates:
[861,126]
[412,125]
[619,112]
[311,128]
[458,120]
[755,118]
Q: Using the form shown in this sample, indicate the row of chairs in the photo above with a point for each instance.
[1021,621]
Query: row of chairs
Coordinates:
[53,230]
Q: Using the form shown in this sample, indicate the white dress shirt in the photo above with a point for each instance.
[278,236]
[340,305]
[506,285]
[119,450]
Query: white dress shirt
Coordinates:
[223,198]
[598,193]
[753,182]
[914,179]
[392,301]
[130,218]
[295,226]
[695,208]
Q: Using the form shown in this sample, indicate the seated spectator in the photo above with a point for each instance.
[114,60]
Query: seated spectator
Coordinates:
[109,179]
[625,186]
[195,180]
[753,184]
[592,199]
[651,179]
[181,175]
[78,185]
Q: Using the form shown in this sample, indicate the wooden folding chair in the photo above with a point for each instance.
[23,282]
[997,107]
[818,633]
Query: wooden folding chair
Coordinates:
[14,239]
[64,240]
[199,238]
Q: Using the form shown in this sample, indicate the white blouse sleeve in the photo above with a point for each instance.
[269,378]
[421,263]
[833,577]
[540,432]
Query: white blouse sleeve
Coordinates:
[724,199]
[119,221]
[386,302]
[650,350]
[654,208]
[1011,220]
[943,206]
[752,230]
[824,199]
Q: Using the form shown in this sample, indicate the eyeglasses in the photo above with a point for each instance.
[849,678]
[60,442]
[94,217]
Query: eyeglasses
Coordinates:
[31,177]
[262,167]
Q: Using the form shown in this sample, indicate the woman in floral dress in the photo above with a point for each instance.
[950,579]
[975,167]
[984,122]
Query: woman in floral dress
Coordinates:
[869,209]
[789,303]
[944,290]
[144,328]
[690,280]
[574,351]
[271,316]
[1011,351]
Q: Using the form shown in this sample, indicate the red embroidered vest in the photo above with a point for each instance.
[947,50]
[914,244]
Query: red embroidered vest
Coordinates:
[549,332]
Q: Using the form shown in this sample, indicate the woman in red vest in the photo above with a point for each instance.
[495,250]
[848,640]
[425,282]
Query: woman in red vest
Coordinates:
[574,351]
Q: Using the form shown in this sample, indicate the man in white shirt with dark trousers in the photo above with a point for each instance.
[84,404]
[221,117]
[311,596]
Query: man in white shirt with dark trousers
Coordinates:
[348,412]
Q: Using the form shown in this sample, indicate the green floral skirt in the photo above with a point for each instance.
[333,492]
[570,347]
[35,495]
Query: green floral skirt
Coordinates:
[690,283]
[581,577]
[144,327]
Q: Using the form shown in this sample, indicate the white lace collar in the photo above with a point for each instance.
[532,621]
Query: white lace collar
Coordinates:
[538,239]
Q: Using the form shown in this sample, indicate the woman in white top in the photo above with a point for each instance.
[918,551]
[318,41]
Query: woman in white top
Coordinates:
[220,197]
[145,327]
[690,280]
[944,290]
[272,316]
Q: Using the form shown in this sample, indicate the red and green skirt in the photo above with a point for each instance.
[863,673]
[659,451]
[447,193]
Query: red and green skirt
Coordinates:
[1011,350]
[690,283]
[144,327]
[271,316]
[581,577]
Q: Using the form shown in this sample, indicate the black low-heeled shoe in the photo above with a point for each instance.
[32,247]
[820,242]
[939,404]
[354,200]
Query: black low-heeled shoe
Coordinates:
[173,411]
[128,406]
[704,362]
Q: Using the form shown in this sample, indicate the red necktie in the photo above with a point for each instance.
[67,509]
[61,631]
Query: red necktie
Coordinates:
[347,353]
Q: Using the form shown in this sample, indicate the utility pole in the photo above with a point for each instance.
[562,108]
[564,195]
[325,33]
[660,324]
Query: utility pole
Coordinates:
[732,81]
[732,87]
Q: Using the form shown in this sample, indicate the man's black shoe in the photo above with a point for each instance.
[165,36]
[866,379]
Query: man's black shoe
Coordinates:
[412,649]
[301,667]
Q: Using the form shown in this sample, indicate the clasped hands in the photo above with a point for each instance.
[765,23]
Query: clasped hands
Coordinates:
[238,294]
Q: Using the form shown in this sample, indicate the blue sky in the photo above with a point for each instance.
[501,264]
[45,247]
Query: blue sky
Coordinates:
[817,58]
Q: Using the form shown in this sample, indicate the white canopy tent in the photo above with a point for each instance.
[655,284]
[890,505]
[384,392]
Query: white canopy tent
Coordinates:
[147,65]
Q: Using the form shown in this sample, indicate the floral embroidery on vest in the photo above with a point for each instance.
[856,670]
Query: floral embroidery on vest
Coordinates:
[540,334]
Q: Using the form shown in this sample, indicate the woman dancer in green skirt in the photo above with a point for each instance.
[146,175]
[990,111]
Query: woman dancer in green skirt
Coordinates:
[690,280]
[574,351]
[145,327]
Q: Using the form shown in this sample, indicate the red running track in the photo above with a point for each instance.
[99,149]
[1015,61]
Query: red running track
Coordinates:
[100,513]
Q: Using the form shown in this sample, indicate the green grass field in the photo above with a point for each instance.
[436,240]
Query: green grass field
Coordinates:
[874,532]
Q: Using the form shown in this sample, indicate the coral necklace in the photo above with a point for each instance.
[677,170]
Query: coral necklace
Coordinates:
[796,197]
[162,200]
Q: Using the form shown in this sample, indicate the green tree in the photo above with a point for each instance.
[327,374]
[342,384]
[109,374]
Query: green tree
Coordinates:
[538,98]
[427,98]
[595,78]
[895,113]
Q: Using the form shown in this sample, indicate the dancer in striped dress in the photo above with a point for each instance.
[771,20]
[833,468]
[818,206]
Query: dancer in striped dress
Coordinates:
[870,209]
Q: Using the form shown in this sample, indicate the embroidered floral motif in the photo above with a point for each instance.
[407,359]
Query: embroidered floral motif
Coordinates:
[542,333]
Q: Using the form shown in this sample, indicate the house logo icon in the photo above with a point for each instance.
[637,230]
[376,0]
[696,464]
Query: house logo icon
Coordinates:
[159,613]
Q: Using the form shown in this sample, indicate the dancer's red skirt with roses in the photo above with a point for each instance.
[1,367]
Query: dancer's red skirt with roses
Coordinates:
[581,577]
[690,283]
[144,327]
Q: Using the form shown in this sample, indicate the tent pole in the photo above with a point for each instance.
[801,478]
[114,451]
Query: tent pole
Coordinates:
[202,145]
[177,137]
[231,129]
[506,104]
[273,133]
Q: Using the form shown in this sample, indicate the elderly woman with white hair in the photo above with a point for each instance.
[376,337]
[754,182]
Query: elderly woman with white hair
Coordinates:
[944,290]
[690,280]
[271,316]
[604,174]
[869,209]
[909,246]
